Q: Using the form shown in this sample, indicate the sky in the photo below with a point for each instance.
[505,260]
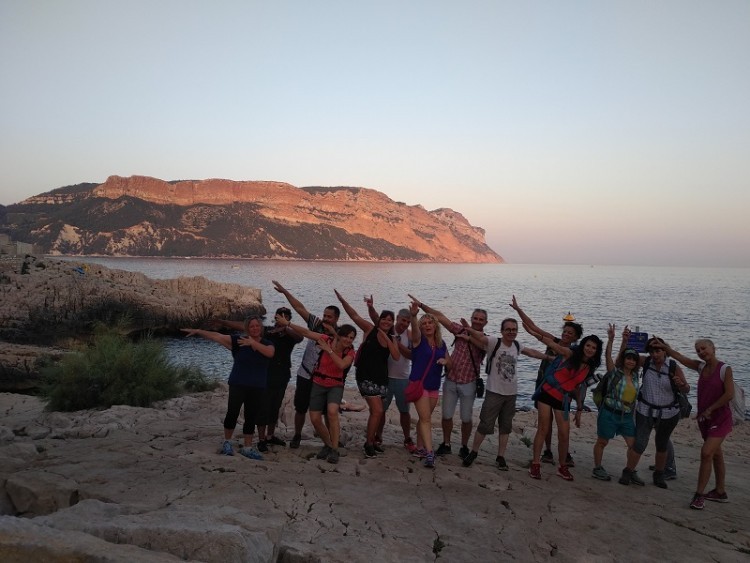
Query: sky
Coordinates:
[577,132]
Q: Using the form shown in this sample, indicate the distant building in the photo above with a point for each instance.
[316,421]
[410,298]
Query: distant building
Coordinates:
[9,247]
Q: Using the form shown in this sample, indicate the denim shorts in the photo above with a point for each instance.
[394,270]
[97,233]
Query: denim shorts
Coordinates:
[452,392]
[396,388]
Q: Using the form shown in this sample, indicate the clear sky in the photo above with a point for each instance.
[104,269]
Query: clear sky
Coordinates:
[601,132]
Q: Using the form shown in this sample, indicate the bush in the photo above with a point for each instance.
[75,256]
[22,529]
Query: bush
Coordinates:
[112,370]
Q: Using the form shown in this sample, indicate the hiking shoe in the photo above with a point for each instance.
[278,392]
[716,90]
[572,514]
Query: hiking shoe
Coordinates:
[697,502]
[410,446]
[323,453]
[296,439]
[469,459]
[378,448]
[715,496]
[429,460]
[443,449]
[600,473]
[226,448]
[636,480]
[535,470]
[274,441]
[370,450]
[333,456]
[463,452]
[629,476]
[569,461]
[251,453]
[500,462]
[547,457]
[670,473]
[562,471]
[262,446]
[420,453]
[659,479]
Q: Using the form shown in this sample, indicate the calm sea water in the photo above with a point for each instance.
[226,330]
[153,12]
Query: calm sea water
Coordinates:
[678,304]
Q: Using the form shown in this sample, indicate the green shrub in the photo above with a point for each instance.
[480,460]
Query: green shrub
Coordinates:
[112,370]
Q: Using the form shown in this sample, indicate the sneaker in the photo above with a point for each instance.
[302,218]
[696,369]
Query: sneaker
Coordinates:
[274,441]
[629,476]
[697,502]
[463,452]
[226,448]
[469,459]
[535,470]
[251,453]
[562,471]
[547,457]
[262,446]
[410,446]
[443,449]
[500,462]
[296,439]
[429,460]
[323,453]
[370,450]
[569,461]
[420,453]
[715,496]
[378,448]
[600,473]
[659,479]
[333,456]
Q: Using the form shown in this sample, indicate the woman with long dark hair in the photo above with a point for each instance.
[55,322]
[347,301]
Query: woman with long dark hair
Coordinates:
[561,384]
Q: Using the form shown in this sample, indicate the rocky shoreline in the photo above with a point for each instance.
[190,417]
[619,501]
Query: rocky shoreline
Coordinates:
[147,484]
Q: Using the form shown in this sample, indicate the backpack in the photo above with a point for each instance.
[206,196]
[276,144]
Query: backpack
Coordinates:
[491,357]
[602,388]
[737,405]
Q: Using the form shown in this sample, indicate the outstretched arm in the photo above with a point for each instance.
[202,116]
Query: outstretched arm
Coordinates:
[326,344]
[373,314]
[389,343]
[281,320]
[476,337]
[684,360]
[223,339]
[416,334]
[527,323]
[365,325]
[441,318]
[266,350]
[293,301]
[608,351]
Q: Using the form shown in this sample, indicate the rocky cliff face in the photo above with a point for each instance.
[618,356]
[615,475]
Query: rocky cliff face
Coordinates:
[150,217]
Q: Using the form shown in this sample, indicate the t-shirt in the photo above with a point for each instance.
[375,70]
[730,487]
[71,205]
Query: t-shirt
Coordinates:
[400,369]
[421,357]
[311,353]
[502,377]
[250,367]
[280,367]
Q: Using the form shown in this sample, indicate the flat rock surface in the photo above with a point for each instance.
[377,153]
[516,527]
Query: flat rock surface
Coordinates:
[148,484]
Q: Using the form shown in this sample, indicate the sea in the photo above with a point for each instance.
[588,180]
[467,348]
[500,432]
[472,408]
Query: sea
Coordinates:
[679,304]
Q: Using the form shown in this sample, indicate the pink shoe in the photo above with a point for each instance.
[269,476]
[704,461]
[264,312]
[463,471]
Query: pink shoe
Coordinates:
[535,470]
[410,446]
[563,472]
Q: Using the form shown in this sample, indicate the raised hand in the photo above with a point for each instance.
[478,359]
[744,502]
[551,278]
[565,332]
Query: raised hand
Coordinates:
[611,331]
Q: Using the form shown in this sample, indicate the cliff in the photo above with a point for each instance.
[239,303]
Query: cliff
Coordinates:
[142,216]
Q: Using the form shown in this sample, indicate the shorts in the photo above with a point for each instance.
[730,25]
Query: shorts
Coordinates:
[500,408]
[643,427]
[321,397]
[610,424]
[431,393]
[371,389]
[302,394]
[717,427]
[452,392]
[396,388]
[547,399]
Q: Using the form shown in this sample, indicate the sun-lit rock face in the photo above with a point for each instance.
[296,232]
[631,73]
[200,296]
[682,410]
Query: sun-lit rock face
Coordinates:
[258,219]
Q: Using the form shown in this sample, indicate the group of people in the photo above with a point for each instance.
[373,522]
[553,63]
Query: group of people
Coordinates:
[404,355]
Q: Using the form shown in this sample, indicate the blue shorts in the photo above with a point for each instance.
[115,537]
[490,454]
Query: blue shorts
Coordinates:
[610,424]
[396,388]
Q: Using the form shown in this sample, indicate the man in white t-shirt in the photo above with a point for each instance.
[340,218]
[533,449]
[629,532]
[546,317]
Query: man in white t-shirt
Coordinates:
[501,389]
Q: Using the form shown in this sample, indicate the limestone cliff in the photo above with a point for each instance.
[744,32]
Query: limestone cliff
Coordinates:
[223,218]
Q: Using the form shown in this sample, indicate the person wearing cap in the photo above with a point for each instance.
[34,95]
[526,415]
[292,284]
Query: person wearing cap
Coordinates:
[656,409]
[618,403]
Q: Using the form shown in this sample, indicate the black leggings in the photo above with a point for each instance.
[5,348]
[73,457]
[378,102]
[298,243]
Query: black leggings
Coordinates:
[252,398]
